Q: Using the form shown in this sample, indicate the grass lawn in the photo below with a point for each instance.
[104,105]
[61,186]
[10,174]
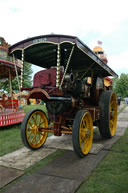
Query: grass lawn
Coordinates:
[10,139]
[111,176]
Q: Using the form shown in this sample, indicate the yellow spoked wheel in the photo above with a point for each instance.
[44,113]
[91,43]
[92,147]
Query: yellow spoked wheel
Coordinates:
[108,121]
[31,129]
[82,133]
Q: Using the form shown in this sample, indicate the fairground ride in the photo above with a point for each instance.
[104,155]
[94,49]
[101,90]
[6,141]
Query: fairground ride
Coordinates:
[98,50]
[9,69]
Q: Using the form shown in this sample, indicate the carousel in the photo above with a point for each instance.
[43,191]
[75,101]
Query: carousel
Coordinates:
[98,50]
[9,69]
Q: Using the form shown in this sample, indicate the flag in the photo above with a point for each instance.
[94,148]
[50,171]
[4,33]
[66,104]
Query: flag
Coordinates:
[99,42]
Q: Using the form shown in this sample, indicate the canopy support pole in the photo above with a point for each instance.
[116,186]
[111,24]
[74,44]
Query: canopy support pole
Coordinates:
[87,70]
[22,70]
[58,67]
[66,66]
[14,60]
[10,87]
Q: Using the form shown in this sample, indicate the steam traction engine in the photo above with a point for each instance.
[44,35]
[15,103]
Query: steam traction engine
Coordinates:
[74,105]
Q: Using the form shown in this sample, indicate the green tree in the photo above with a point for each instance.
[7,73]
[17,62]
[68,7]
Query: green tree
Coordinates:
[4,85]
[121,86]
[27,75]
[27,79]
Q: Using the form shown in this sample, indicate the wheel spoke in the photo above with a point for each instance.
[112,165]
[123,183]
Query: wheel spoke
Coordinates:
[34,120]
[36,116]
[30,124]
[39,121]
[112,103]
[39,136]
[111,123]
[42,133]
[30,134]
[33,139]
[85,146]
[84,123]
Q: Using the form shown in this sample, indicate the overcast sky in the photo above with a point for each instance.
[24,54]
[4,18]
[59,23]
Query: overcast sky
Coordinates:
[89,20]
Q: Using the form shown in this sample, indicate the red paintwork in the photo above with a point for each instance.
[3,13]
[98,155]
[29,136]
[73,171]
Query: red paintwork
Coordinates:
[10,117]
[37,93]
[46,78]
[9,104]
[10,114]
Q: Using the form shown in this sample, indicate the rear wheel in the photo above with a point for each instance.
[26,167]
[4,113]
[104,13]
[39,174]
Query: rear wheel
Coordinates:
[82,133]
[31,129]
[108,121]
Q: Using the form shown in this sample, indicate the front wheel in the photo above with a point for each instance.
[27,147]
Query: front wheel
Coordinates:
[31,129]
[82,133]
